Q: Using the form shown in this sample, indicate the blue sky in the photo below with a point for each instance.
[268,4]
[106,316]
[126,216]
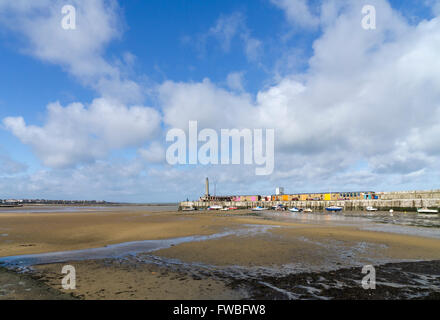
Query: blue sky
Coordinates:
[352,109]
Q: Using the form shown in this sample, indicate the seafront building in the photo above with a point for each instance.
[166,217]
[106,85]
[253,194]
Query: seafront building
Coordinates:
[349,200]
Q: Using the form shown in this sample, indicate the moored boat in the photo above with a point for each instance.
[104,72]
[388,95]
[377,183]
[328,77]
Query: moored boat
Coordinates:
[258,209]
[215,207]
[294,210]
[371,208]
[308,210]
[427,211]
[280,207]
[334,209]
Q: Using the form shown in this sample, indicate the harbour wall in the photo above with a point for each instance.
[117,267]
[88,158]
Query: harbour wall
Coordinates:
[348,205]
[409,195]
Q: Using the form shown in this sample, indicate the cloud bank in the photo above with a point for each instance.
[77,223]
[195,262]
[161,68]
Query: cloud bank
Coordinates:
[365,112]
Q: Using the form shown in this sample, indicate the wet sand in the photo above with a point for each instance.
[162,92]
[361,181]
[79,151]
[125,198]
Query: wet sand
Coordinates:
[240,255]
[27,233]
[18,286]
[122,279]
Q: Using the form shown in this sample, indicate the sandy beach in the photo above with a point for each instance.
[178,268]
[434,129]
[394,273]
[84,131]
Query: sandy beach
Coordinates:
[146,254]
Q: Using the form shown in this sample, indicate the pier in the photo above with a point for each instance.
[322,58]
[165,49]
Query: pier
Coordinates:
[402,201]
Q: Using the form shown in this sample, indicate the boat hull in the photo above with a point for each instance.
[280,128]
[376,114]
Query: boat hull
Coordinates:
[215,208]
[427,211]
[333,209]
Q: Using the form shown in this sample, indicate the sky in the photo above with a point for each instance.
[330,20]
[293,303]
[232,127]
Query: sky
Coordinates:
[84,112]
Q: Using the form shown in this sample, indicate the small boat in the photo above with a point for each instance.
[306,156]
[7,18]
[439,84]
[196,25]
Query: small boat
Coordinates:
[215,207]
[371,209]
[233,208]
[427,211]
[188,209]
[279,207]
[308,210]
[334,209]
[294,210]
[258,209]
[224,209]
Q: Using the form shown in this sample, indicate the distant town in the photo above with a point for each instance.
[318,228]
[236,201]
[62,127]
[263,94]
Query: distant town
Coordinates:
[21,202]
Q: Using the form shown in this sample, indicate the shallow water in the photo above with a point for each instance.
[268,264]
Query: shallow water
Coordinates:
[49,209]
[405,280]
[364,222]
[121,249]
[401,223]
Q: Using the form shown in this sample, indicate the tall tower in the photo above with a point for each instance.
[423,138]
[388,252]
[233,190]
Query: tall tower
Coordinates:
[207,188]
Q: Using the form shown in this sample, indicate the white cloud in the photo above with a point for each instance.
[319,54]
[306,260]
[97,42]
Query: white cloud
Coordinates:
[76,134]
[212,106]
[101,180]
[227,28]
[155,153]
[253,47]
[9,166]
[298,13]
[368,97]
[79,51]
[234,81]
[364,95]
